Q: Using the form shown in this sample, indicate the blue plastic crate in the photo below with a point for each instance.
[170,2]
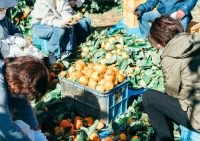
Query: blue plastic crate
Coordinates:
[89,102]
[188,135]
[42,45]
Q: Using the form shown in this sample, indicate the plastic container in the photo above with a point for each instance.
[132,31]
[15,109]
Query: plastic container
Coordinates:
[188,135]
[193,27]
[132,4]
[89,102]
[40,43]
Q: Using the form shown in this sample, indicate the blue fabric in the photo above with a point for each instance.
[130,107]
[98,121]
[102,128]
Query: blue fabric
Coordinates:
[168,6]
[59,39]
[151,16]
[9,131]
[83,29]
[121,25]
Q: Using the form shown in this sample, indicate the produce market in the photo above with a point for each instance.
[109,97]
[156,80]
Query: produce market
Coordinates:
[95,93]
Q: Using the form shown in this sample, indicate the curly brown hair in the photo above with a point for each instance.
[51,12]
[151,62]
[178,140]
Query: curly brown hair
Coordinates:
[163,30]
[26,76]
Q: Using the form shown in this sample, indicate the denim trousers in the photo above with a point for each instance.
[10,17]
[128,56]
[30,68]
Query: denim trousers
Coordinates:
[150,16]
[62,39]
[162,110]
[82,28]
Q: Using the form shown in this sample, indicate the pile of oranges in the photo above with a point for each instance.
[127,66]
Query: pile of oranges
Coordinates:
[94,75]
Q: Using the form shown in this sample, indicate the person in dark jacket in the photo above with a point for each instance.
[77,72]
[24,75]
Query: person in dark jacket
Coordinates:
[180,63]
[179,9]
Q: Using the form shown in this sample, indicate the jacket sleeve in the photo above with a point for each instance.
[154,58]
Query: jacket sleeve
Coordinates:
[12,29]
[188,6]
[148,5]
[8,129]
[25,110]
[172,75]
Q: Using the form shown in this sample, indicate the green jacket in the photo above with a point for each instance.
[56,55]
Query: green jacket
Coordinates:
[180,63]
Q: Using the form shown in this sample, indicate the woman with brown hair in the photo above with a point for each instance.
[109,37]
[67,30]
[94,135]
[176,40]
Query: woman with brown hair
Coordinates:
[22,79]
[180,62]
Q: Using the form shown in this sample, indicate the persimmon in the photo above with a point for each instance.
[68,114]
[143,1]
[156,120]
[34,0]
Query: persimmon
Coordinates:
[96,76]
[115,81]
[130,120]
[123,136]
[108,139]
[76,118]
[52,74]
[71,69]
[100,88]
[95,137]
[92,84]
[81,62]
[90,66]
[83,80]
[103,61]
[78,66]
[57,128]
[101,82]
[100,125]
[135,137]
[85,49]
[109,77]
[78,74]
[64,124]
[63,73]
[78,124]
[88,73]
[120,78]
[90,121]
[108,85]
[110,71]
[83,54]
[101,68]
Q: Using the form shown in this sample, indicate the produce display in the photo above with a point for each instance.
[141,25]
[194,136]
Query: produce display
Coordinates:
[132,56]
[103,58]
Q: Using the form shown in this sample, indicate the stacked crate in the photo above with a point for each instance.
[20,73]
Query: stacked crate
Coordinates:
[130,19]
[194,26]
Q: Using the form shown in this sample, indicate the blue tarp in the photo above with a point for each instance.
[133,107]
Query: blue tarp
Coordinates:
[123,26]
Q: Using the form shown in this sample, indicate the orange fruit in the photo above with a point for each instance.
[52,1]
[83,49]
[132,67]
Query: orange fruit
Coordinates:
[100,125]
[83,80]
[90,121]
[64,124]
[101,68]
[108,85]
[120,77]
[122,136]
[95,137]
[96,76]
[78,124]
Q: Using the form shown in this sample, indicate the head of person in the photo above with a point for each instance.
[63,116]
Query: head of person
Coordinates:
[164,29]
[27,76]
[4,5]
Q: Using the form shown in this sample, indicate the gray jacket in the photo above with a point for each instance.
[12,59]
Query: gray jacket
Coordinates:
[180,63]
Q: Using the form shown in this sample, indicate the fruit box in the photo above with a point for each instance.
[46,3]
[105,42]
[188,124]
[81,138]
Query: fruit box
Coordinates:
[193,27]
[104,106]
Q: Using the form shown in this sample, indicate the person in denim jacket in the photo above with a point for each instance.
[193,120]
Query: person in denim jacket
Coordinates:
[179,9]
[22,79]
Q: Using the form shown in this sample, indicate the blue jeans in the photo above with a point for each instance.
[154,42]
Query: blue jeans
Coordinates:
[83,29]
[151,16]
[59,38]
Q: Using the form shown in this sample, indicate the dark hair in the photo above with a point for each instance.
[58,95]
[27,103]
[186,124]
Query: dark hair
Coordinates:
[26,76]
[164,29]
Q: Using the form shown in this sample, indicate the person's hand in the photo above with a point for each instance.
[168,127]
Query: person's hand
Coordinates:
[21,42]
[180,14]
[39,136]
[70,21]
[77,17]
[72,3]
[137,12]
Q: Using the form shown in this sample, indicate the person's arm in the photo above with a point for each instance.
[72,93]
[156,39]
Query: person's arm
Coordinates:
[8,129]
[188,6]
[172,75]
[12,29]
[25,110]
[148,6]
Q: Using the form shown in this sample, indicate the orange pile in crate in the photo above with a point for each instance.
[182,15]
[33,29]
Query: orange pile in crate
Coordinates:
[128,8]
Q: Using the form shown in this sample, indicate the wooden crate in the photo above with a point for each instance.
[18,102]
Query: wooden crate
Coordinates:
[130,19]
[193,26]
[132,4]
